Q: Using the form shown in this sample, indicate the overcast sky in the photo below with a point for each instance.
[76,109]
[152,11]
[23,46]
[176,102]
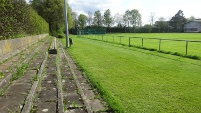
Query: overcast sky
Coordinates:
[161,8]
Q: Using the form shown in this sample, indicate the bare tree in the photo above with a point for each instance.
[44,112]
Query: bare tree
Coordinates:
[152,18]
[118,19]
[90,18]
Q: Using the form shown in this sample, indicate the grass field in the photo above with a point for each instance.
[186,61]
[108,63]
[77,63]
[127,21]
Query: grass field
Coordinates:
[166,45]
[136,80]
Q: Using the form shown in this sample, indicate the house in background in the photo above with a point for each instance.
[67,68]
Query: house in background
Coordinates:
[193,26]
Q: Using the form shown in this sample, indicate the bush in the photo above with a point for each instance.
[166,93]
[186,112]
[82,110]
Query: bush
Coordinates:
[61,36]
[18,18]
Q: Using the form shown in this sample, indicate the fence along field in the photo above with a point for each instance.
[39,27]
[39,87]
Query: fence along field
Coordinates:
[184,44]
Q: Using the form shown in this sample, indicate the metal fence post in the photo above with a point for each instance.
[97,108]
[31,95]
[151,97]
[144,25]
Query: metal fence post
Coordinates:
[186,47]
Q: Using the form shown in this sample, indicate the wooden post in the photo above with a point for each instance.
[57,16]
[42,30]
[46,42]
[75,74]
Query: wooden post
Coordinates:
[142,42]
[186,47]
[159,48]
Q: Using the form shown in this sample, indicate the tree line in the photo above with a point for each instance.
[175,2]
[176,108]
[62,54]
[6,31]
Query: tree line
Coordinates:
[18,19]
[42,16]
[175,24]
[131,18]
[130,21]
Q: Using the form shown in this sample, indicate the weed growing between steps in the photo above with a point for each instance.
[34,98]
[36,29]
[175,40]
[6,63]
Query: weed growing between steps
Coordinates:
[19,72]
[34,78]
[1,75]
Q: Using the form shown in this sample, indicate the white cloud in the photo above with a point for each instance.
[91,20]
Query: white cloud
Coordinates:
[162,8]
[114,5]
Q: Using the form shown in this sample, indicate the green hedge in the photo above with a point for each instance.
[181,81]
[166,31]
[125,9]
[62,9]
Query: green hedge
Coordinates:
[37,24]
[18,19]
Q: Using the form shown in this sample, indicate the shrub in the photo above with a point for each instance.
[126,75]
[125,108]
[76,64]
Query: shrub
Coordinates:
[18,18]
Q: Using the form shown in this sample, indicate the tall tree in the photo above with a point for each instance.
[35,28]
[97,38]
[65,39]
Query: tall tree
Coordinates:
[108,20]
[118,18]
[75,20]
[177,21]
[191,18]
[90,18]
[132,17]
[136,19]
[97,20]
[52,11]
[161,24]
[127,18]
[82,21]
[148,27]
[70,18]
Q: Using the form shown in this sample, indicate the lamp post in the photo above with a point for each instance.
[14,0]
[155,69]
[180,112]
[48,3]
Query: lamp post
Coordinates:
[66,23]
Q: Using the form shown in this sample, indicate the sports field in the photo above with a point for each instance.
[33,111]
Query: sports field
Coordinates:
[174,43]
[137,80]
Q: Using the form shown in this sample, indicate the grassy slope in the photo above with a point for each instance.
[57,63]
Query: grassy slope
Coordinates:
[142,81]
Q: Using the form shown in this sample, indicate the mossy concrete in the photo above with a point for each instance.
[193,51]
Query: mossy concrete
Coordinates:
[9,46]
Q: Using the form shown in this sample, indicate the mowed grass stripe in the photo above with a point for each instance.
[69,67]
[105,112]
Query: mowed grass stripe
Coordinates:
[142,81]
[182,36]
[166,45]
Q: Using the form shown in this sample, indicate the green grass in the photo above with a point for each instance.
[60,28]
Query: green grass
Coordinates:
[137,80]
[166,45]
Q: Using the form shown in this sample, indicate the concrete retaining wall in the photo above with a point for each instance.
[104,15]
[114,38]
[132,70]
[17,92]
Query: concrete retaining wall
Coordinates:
[9,46]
